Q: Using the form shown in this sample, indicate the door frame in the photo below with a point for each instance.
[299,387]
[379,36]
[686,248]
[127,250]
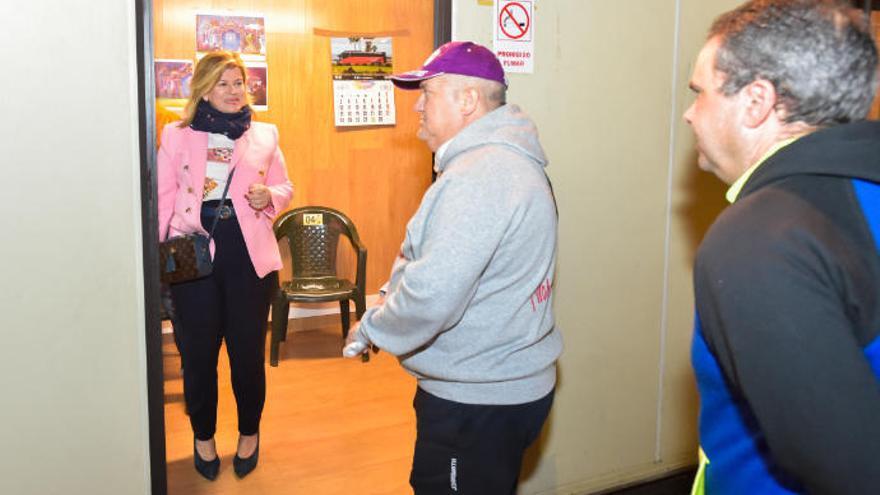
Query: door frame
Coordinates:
[149,227]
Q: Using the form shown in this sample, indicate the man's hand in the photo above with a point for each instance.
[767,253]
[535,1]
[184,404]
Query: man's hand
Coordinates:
[356,343]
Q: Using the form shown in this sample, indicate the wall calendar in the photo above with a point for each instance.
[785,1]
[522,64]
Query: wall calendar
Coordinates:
[363,103]
[362,93]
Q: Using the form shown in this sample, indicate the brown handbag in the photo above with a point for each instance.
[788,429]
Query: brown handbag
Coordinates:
[185,258]
[188,257]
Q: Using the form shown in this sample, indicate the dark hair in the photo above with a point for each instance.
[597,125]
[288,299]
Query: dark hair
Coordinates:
[818,54]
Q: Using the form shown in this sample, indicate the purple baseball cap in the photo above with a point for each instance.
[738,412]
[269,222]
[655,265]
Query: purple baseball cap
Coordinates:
[464,58]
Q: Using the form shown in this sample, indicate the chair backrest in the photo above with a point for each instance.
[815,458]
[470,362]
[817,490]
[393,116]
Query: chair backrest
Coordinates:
[312,234]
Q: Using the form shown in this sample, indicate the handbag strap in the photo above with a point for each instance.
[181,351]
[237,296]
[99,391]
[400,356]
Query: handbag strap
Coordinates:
[219,206]
[216,212]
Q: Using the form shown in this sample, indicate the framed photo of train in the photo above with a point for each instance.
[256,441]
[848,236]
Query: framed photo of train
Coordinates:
[362,93]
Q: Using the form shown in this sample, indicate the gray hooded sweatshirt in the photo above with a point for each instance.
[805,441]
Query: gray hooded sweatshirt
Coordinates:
[469,304]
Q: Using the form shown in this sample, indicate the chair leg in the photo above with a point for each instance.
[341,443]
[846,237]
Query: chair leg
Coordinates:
[360,306]
[346,317]
[280,310]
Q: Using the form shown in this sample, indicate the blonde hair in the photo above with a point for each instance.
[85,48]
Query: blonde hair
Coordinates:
[208,71]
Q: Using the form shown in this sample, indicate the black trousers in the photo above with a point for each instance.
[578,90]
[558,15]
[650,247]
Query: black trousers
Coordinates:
[472,449]
[232,304]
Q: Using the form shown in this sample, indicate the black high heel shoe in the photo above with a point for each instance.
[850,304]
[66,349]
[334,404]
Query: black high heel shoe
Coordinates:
[208,469]
[243,467]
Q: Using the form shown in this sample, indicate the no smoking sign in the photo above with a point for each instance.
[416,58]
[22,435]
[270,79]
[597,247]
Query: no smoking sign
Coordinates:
[514,21]
[513,25]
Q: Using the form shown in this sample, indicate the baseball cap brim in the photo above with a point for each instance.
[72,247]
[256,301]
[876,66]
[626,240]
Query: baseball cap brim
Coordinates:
[413,79]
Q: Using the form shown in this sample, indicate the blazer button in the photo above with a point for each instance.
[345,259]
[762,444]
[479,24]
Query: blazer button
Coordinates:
[188,210]
[262,173]
[189,190]
[186,167]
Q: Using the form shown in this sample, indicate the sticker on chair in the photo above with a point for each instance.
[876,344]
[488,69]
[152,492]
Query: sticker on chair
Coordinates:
[313,219]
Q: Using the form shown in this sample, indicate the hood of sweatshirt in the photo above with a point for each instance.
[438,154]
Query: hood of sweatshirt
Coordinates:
[506,126]
[846,150]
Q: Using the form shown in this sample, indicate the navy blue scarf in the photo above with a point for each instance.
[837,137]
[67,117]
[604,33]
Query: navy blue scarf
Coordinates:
[232,125]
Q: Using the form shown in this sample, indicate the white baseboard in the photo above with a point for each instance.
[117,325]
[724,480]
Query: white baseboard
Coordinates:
[298,310]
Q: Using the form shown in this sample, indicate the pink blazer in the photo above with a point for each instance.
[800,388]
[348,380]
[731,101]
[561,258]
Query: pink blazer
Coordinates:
[256,158]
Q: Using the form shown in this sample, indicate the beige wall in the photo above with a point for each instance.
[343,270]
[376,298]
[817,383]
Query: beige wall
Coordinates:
[72,372]
[609,87]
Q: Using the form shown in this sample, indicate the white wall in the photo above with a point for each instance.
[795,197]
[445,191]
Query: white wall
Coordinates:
[72,371]
[609,87]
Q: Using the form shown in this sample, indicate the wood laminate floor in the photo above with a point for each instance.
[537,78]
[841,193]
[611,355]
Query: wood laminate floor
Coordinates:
[330,425]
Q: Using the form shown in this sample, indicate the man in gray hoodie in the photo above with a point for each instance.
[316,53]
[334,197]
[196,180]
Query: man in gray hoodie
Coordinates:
[468,309]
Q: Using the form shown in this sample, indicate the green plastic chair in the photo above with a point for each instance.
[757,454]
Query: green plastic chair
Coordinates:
[312,233]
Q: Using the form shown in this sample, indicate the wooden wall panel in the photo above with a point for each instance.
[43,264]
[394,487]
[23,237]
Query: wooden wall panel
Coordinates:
[375,175]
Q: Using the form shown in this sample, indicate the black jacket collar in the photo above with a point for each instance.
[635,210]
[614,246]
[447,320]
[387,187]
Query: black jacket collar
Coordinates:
[846,150]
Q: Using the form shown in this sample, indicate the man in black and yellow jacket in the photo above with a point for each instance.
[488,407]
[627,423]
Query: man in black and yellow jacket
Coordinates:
[787,281]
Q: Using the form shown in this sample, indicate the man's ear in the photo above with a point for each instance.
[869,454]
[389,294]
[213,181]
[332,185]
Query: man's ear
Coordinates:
[760,96]
[469,100]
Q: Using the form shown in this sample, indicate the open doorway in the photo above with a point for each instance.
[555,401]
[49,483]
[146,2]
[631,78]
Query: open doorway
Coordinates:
[351,170]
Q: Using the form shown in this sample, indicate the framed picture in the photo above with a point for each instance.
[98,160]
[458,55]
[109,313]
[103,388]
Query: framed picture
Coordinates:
[242,34]
[172,81]
[258,84]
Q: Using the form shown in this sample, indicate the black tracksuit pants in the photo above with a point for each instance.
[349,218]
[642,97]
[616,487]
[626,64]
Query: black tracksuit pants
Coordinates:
[472,449]
[232,304]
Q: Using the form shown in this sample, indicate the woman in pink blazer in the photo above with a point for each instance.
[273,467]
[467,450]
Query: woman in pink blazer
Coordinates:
[197,154]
